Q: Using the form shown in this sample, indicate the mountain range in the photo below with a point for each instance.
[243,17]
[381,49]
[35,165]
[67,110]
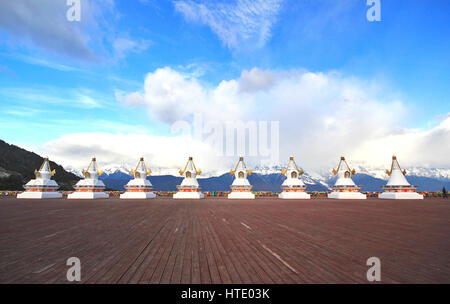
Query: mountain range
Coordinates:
[270,182]
[260,182]
[17,167]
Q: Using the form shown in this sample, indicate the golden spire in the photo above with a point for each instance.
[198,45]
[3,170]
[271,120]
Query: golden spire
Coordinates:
[241,159]
[46,163]
[291,159]
[141,160]
[394,160]
[193,165]
[346,164]
[94,163]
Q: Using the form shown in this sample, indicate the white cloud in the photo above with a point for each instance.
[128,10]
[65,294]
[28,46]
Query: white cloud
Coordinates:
[169,95]
[322,116]
[427,148]
[240,22]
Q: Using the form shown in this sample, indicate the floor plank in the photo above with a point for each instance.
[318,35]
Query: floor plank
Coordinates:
[216,240]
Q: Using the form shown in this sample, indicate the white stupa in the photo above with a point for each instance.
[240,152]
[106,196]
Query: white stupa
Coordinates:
[139,187]
[345,188]
[397,186]
[189,187]
[90,187]
[42,186]
[293,187]
[241,188]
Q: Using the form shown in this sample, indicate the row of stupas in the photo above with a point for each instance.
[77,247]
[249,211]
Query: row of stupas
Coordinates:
[91,187]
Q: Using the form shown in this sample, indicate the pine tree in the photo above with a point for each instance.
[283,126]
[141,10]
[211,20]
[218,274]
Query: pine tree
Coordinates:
[444,192]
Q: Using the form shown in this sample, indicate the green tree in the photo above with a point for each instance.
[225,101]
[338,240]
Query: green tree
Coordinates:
[444,192]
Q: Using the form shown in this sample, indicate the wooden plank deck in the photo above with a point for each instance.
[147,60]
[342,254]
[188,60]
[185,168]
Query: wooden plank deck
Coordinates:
[222,241]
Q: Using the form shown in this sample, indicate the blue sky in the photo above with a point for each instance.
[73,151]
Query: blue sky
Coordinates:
[59,78]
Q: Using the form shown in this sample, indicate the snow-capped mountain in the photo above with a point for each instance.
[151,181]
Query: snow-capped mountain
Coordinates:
[76,171]
[437,173]
[107,170]
[111,170]
[269,178]
[322,175]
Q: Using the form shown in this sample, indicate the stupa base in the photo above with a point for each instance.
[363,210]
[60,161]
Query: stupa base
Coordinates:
[87,195]
[294,195]
[29,194]
[241,195]
[347,195]
[137,195]
[400,195]
[188,195]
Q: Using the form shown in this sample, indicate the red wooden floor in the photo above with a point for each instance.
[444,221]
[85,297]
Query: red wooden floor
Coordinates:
[222,241]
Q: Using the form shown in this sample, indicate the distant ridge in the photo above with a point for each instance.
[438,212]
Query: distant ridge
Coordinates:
[260,182]
[268,182]
[17,167]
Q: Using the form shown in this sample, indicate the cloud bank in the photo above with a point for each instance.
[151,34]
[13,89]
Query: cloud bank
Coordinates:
[114,150]
[322,116]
